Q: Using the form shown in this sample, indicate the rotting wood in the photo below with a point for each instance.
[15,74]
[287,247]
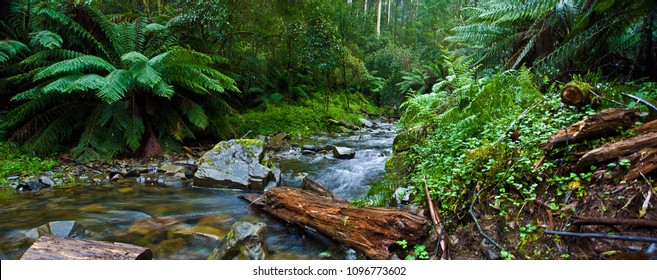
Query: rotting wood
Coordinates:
[612,222]
[65,248]
[650,126]
[603,124]
[576,93]
[438,225]
[644,161]
[317,187]
[617,150]
[602,236]
[369,230]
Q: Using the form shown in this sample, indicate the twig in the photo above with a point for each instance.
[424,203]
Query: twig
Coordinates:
[610,221]
[604,236]
[640,100]
[610,100]
[479,227]
[438,225]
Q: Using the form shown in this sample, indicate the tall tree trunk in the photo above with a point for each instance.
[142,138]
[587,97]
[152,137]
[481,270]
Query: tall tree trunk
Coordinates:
[389,12]
[364,7]
[378,19]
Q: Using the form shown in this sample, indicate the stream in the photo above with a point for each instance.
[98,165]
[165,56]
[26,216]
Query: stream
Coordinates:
[160,217]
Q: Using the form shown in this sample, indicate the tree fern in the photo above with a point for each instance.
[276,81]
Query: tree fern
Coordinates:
[137,85]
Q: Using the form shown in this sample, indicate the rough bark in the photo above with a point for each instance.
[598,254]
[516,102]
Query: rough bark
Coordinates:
[318,188]
[603,124]
[576,94]
[368,230]
[644,161]
[647,127]
[617,150]
[64,248]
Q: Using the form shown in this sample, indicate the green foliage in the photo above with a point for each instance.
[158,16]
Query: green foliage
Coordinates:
[556,35]
[14,161]
[129,82]
[304,117]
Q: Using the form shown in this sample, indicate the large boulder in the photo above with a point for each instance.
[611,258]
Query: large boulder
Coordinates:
[343,152]
[236,164]
[244,242]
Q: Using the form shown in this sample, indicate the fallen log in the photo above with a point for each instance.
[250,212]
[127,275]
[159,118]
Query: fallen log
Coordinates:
[617,150]
[612,222]
[603,124]
[647,127]
[576,93]
[65,248]
[644,161]
[371,231]
[317,187]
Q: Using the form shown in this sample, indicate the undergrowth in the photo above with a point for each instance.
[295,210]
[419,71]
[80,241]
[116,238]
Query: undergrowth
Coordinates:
[304,117]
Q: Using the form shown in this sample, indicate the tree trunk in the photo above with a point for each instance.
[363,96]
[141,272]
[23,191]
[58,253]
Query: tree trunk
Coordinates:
[617,150]
[389,15]
[378,19]
[602,124]
[365,8]
[576,94]
[64,248]
[371,231]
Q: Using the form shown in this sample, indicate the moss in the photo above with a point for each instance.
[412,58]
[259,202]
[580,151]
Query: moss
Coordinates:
[405,139]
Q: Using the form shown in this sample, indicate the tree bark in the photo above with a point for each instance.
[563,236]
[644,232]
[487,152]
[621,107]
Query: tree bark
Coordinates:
[576,94]
[371,231]
[617,150]
[64,248]
[378,19]
[603,124]
[642,162]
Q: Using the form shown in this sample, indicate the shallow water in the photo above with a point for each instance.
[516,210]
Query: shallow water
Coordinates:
[157,216]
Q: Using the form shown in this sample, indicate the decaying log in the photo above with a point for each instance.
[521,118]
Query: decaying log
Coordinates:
[368,230]
[65,248]
[647,127]
[317,187]
[576,93]
[603,124]
[644,161]
[603,236]
[612,222]
[617,150]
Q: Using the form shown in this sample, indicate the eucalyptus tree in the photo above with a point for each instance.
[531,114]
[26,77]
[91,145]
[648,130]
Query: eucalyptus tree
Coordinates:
[113,88]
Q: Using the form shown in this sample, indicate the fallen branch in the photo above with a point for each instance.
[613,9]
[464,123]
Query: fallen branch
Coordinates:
[609,221]
[602,235]
[438,224]
[610,100]
[640,100]
[479,227]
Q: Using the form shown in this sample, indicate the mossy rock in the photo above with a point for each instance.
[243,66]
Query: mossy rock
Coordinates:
[405,139]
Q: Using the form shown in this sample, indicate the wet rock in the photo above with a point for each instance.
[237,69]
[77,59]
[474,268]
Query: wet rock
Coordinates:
[172,245]
[244,241]
[205,231]
[116,177]
[132,174]
[57,228]
[169,168]
[366,123]
[237,163]
[31,186]
[312,148]
[343,152]
[147,226]
[402,195]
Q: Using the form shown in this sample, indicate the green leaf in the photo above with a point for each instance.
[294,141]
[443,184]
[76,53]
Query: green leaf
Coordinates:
[133,57]
[145,74]
[115,86]
[78,64]
[46,39]
[134,132]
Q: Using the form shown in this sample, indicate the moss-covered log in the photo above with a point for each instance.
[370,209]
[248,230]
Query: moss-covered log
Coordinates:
[371,231]
[603,124]
[576,93]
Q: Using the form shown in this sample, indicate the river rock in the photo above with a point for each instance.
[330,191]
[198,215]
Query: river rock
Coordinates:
[244,242]
[57,228]
[343,152]
[237,163]
[366,123]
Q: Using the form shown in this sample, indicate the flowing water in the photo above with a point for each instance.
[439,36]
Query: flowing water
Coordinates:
[161,217]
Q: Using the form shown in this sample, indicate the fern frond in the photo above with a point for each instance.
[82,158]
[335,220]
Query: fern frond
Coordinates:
[145,74]
[46,39]
[115,86]
[195,113]
[134,132]
[77,64]
[76,29]
[9,49]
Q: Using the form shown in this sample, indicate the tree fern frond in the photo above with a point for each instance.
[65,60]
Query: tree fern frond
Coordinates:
[145,74]
[195,113]
[134,132]
[133,57]
[45,57]
[115,86]
[46,39]
[76,29]
[77,64]
[9,49]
